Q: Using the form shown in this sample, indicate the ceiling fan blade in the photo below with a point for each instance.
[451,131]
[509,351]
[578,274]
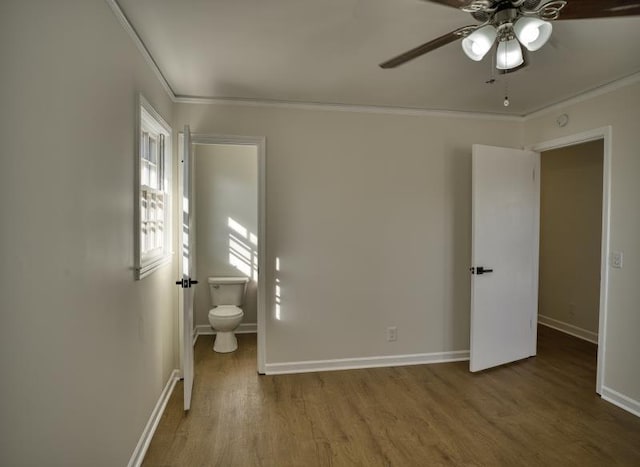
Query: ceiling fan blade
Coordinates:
[585,9]
[428,47]
[451,3]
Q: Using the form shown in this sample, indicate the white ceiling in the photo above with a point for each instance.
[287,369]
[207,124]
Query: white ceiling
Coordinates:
[328,51]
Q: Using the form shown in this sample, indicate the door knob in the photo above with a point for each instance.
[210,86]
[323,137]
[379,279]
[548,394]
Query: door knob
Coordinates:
[186,283]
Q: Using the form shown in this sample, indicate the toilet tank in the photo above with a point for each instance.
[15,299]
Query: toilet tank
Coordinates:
[227,290]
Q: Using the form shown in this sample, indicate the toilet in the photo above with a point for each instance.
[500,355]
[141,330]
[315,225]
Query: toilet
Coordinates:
[227,296]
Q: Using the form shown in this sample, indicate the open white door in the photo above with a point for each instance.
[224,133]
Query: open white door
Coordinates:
[504,256]
[187,268]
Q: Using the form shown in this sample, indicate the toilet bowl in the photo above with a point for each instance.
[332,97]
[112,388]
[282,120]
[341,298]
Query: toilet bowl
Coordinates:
[227,296]
[225,319]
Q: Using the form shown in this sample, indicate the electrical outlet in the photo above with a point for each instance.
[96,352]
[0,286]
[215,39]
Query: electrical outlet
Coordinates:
[616,259]
[392,333]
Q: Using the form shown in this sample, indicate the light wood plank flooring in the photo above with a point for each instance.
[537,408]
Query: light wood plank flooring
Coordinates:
[538,412]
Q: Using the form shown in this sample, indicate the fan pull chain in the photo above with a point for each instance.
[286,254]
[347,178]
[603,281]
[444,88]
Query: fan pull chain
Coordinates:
[506,92]
[506,82]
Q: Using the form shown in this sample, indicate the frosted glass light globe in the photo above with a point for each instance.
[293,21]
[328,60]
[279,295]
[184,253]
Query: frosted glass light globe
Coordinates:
[533,33]
[509,55]
[529,33]
[477,44]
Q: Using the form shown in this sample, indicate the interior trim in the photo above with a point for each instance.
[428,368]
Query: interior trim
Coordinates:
[260,142]
[366,362]
[551,108]
[147,434]
[604,133]
[126,24]
[567,328]
[584,96]
[244,328]
[369,109]
[622,401]
[206,330]
[182,99]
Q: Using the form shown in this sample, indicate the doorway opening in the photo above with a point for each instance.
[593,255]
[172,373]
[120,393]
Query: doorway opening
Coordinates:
[229,226]
[574,233]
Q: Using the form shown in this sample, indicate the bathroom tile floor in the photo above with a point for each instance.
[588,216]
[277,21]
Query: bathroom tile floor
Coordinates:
[540,412]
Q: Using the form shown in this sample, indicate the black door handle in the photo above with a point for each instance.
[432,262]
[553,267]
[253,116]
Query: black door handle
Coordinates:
[480,270]
[186,283]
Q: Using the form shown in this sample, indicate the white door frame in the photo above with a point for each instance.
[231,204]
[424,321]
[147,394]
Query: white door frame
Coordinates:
[603,133]
[260,143]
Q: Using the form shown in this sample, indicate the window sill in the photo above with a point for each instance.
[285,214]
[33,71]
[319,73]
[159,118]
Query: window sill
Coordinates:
[150,267]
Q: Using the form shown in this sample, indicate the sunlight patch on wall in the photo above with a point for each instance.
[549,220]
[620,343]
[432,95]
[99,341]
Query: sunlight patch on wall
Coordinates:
[277,292]
[243,254]
[237,227]
[185,236]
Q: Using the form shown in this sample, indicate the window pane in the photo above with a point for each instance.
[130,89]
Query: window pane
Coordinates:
[152,236]
[159,235]
[144,173]
[161,182]
[144,145]
[153,149]
[160,207]
[144,208]
[143,239]
[153,176]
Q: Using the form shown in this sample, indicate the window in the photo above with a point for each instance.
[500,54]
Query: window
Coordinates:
[153,197]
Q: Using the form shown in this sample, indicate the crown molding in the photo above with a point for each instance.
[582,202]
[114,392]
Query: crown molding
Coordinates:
[585,96]
[124,21]
[370,109]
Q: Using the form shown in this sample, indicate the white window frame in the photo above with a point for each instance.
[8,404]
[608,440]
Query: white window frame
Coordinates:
[151,124]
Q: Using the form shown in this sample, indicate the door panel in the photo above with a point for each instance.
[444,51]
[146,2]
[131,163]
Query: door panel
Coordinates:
[504,240]
[187,246]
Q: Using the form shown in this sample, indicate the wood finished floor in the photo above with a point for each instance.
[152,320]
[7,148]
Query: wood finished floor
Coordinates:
[538,412]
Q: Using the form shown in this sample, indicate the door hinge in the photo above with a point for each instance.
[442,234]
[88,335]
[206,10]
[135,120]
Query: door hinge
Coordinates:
[534,175]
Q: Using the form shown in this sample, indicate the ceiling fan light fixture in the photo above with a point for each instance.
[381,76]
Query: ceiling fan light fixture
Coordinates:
[477,44]
[509,55]
[533,33]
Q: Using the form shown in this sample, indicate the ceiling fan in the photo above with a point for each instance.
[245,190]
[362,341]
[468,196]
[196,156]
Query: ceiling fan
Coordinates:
[514,23]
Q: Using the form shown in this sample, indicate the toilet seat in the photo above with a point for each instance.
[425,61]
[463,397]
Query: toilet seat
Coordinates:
[225,311]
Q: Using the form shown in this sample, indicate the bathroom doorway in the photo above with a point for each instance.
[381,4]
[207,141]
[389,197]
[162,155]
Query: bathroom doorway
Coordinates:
[574,237]
[229,237]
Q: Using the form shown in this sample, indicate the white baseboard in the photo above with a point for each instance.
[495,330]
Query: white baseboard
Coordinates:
[567,328]
[622,401]
[206,330]
[367,362]
[143,444]
[244,328]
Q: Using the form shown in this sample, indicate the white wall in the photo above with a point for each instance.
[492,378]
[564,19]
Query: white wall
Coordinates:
[226,186]
[369,215]
[84,349]
[571,234]
[621,110]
